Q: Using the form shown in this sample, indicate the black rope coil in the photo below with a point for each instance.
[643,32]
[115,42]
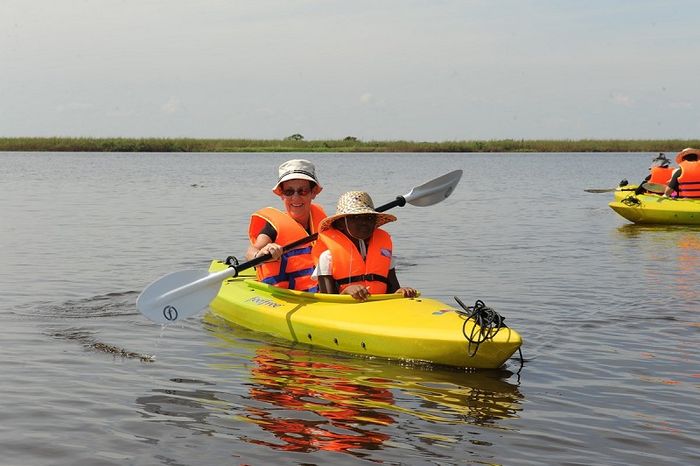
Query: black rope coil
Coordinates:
[488,323]
[631,201]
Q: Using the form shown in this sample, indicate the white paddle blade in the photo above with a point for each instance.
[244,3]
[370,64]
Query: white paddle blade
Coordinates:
[434,191]
[180,295]
[654,187]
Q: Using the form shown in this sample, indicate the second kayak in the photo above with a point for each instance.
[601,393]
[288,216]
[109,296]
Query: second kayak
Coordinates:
[652,208]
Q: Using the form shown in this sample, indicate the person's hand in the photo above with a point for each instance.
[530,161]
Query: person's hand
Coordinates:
[358,292]
[273,249]
[408,292]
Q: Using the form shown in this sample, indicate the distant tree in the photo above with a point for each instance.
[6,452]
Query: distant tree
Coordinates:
[350,138]
[295,137]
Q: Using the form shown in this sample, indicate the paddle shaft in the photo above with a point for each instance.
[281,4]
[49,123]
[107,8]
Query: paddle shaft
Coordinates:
[180,294]
[607,190]
[651,187]
[400,201]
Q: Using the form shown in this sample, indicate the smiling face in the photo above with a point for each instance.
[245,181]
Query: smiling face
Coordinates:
[297,196]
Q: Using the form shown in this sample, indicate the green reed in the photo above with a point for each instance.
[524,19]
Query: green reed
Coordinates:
[71,144]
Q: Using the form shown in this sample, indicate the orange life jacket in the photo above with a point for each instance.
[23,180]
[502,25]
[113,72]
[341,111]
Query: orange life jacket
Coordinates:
[661,175]
[349,268]
[689,181]
[295,267]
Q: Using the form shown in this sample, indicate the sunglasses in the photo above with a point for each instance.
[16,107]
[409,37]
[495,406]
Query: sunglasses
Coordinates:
[289,192]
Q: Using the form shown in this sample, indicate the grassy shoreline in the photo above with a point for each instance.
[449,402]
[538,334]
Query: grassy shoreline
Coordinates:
[69,144]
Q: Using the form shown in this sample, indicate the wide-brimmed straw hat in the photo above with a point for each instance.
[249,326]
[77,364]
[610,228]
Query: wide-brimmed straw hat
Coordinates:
[686,152]
[297,169]
[355,203]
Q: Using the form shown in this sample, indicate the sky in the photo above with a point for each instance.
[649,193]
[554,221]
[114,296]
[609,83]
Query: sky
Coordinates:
[434,70]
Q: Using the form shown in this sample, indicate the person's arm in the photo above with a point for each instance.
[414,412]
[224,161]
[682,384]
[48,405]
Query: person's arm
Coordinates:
[264,245]
[323,273]
[673,183]
[640,189]
[394,287]
[326,284]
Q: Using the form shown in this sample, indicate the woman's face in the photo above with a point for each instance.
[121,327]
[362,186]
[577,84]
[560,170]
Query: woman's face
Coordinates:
[358,226]
[297,196]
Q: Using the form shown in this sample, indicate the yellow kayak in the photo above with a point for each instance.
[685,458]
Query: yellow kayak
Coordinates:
[652,208]
[389,325]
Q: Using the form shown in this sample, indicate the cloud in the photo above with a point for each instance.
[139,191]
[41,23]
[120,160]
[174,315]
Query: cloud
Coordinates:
[120,112]
[681,105]
[75,107]
[265,112]
[370,100]
[172,106]
[622,99]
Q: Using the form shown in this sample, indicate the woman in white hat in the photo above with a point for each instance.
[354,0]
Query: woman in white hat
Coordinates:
[271,229]
[354,256]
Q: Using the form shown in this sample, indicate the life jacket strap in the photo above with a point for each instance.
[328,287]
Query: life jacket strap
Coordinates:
[370,277]
[290,278]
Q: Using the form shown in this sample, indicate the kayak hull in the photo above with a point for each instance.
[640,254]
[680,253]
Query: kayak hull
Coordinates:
[388,326]
[656,209]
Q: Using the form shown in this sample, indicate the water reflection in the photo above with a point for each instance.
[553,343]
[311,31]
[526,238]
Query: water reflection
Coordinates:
[310,399]
[309,407]
[182,406]
[306,400]
[688,265]
[671,244]
[633,230]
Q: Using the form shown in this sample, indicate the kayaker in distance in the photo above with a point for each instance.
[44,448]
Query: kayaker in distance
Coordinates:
[353,255]
[271,229]
[659,173]
[685,181]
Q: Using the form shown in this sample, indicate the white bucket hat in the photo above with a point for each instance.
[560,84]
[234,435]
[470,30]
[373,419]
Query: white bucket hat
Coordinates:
[355,203]
[297,169]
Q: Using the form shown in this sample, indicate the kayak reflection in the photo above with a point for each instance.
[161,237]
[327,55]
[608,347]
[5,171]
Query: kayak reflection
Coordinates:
[345,411]
[312,399]
[675,246]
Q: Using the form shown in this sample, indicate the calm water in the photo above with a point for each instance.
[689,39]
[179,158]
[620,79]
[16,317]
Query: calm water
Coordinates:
[608,312]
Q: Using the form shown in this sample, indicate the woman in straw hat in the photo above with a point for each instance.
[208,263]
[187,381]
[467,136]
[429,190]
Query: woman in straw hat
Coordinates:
[354,255]
[271,229]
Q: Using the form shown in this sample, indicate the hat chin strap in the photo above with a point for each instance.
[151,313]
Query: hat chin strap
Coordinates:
[362,247]
[347,228]
[362,244]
